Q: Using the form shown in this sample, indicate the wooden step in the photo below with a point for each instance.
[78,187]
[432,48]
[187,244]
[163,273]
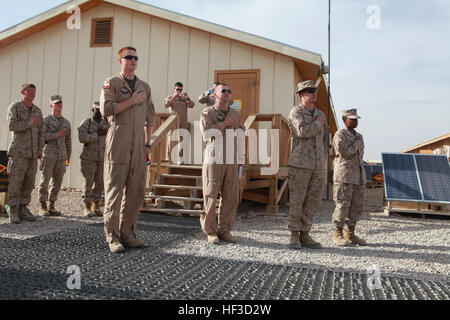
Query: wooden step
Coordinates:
[174,198]
[183,166]
[168,186]
[179,176]
[173,212]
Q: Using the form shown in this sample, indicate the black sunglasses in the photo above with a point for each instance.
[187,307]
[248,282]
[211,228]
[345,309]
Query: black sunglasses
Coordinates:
[310,90]
[179,89]
[226,90]
[130,57]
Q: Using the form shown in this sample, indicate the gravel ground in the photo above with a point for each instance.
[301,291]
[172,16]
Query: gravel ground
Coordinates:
[398,245]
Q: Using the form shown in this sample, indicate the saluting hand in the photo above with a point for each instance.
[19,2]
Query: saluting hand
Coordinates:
[138,97]
[35,120]
[62,133]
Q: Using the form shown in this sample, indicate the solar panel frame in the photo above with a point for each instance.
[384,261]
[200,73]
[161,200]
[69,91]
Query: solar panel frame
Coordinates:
[422,199]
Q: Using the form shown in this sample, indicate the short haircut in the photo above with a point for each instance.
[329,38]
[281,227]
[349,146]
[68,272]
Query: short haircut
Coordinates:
[125,49]
[178,84]
[216,83]
[25,86]
[344,118]
[220,84]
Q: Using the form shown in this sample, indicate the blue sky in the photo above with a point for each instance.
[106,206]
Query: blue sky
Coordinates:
[397,76]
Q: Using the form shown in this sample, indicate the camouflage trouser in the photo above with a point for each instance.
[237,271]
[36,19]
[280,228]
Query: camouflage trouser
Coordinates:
[92,172]
[51,169]
[306,190]
[22,176]
[349,201]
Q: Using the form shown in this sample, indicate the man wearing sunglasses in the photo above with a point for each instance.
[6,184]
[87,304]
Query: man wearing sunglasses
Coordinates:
[207,97]
[349,180]
[306,165]
[178,103]
[127,101]
[218,175]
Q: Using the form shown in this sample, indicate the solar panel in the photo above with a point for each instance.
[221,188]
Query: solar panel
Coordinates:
[416,177]
[434,174]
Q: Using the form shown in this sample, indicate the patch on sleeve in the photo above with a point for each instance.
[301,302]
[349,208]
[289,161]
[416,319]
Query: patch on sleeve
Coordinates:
[204,113]
[106,85]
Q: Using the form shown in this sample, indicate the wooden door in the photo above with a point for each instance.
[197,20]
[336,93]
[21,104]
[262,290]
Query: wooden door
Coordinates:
[244,85]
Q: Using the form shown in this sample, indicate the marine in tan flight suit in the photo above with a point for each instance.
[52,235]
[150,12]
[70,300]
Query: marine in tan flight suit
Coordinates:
[218,175]
[349,180]
[127,102]
[208,98]
[25,121]
[92,134]
[179,103]
[57,152]
[306,165]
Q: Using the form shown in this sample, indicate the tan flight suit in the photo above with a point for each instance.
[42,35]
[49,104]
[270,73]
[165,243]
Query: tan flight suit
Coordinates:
[27,141]
[306,166]
[180,107]
[56,152]
[208,98]
[125,156]
[92,158]
[349,177]
[221,178]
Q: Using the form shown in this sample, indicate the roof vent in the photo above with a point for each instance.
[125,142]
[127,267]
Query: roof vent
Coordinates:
[101,32]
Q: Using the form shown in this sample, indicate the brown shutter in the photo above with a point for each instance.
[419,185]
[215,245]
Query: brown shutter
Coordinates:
[101,32]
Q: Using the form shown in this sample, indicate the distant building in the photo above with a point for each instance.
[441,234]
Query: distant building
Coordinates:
[440,145]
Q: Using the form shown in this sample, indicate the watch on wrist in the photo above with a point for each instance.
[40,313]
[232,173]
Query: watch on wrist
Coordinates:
[148,146]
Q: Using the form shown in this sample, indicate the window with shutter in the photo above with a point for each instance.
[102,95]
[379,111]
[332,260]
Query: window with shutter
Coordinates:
[101,32]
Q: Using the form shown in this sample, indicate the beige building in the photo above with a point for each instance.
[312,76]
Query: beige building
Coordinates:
[72,52]
[439,145]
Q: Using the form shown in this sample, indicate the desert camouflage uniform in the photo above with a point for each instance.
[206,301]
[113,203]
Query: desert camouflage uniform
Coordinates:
[349,177]
[306,166]
[56,152]
[92,157]
[27,141]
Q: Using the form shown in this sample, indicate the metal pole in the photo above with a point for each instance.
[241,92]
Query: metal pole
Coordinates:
[329,101]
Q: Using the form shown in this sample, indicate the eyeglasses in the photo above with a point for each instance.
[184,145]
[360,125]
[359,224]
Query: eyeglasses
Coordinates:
[310,90]
[226,91]
[130,57]
[179,89]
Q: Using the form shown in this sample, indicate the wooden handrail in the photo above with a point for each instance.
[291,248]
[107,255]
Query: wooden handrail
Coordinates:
[170,124]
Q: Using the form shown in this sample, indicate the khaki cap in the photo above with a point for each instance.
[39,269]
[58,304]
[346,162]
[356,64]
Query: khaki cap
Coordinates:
[55,99]
[351,114]
[304,85]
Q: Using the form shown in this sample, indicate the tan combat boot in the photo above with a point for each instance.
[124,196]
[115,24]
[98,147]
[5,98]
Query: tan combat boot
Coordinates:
[52,210]
[116,247]
[227,237]
[308,242]
[130,241]
[43,211]
[96,208]
[87,210]
[350,235]
[25,213]
[294,242]
[14,214]
[338,237]
[212,238]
